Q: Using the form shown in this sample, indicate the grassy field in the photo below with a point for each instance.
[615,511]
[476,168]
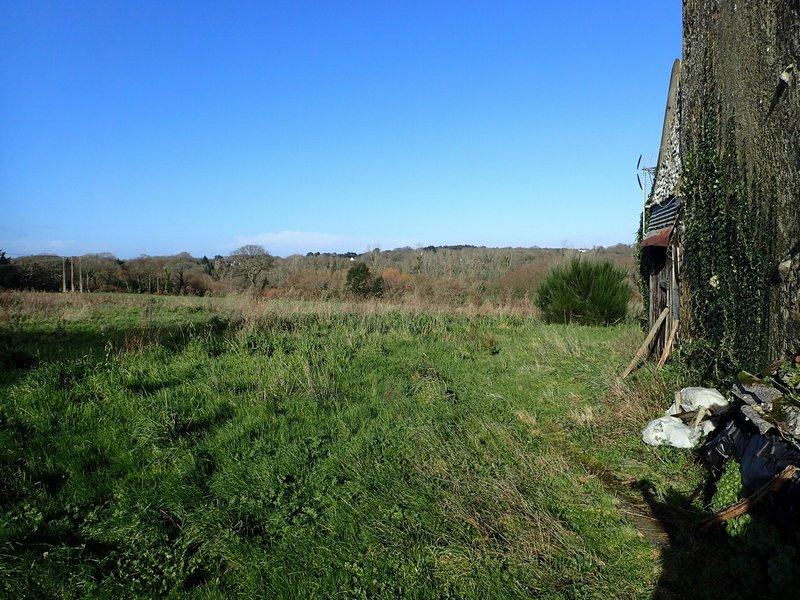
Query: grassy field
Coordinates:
[166,446]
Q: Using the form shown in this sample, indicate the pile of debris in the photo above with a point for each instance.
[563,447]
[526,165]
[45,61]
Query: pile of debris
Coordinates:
[762,433]
[757,425]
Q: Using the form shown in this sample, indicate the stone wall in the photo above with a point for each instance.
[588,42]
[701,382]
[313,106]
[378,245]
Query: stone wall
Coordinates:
[733,55]
[669,153]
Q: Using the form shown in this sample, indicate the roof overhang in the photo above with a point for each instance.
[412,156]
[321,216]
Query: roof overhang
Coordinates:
[658,239]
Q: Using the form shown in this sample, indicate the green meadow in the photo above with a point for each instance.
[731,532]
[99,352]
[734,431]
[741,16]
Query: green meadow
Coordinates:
[215,448]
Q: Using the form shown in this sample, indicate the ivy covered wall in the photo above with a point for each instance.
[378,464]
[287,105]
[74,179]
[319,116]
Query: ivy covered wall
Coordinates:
[741,184]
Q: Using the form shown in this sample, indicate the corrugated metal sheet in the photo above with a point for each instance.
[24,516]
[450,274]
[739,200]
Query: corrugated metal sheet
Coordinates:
[663,215]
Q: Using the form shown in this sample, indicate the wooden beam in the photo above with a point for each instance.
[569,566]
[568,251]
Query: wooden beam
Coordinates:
[668,345]
[642,353]
[741,507]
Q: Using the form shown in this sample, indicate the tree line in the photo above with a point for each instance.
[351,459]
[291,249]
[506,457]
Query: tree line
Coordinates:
[455,274]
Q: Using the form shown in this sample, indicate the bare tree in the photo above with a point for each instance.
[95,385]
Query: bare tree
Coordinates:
[252,262]
[178,268]
[250,250]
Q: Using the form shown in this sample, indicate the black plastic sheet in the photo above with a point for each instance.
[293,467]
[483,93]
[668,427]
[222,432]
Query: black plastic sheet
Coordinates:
[762,456]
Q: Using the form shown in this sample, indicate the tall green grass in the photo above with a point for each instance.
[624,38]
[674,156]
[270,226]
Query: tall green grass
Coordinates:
[171,448]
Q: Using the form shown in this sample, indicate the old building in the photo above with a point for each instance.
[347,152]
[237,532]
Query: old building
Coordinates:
[661,238]
[721,228]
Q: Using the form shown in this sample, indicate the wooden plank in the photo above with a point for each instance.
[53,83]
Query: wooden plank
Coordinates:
[653,315]
[668,346]
[642,353]
[741,507]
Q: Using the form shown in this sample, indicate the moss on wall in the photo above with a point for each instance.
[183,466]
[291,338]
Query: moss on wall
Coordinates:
[728,272]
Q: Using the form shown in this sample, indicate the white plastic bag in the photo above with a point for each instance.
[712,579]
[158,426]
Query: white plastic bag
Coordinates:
[671,431]
[694,398]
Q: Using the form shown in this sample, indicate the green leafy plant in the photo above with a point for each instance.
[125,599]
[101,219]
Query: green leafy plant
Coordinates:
[730,490]
[589,293]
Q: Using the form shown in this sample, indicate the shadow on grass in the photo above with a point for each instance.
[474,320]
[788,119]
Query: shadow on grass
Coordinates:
[24,350]
[709,565]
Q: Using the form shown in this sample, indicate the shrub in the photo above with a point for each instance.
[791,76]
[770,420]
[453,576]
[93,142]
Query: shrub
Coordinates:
[361,282]
[307,284]
[396,284]
[590,293]
[520,282]
[9,273]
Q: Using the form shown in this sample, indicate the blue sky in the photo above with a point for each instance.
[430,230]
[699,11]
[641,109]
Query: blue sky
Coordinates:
[158,127]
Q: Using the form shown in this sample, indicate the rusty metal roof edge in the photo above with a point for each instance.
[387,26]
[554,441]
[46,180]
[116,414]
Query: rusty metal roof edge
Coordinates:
[658,238]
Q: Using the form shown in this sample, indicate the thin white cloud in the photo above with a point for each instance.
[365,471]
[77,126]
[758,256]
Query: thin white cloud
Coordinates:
[25,247]
[299,242]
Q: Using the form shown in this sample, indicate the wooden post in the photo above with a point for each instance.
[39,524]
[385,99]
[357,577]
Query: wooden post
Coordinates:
[668,346]
[643,351]
[653,299]
[71,274]
[64,274]
[80,275]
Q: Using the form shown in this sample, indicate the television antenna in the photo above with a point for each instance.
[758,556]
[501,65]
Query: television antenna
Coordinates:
[645,176]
